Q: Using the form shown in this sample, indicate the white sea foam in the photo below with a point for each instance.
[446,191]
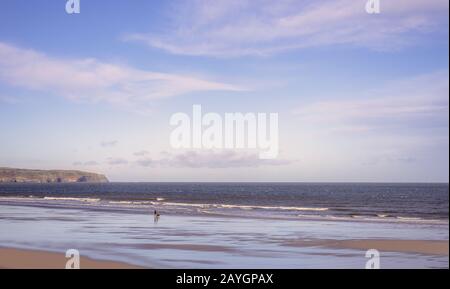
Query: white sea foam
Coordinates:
[248,207]
[187,205]
[409,218]
[14,198]
[213,208]
[132,202]
[121,202]
[245,207]
[88,200]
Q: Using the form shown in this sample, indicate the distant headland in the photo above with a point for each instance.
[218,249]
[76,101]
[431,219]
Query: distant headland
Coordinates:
[11,175]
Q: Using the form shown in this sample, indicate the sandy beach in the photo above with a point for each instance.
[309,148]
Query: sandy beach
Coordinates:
[33,259]
[131,239]
[426,247]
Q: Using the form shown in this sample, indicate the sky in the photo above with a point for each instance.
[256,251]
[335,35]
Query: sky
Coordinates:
[360,97]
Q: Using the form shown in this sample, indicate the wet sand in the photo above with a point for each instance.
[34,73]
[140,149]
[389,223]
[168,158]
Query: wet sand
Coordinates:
[32,259]
[195,242]
[427,247]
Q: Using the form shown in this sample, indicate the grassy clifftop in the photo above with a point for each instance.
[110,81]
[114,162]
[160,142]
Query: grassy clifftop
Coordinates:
[10,175]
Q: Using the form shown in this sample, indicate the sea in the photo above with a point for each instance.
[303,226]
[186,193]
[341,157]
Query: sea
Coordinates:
[338,201]
[227,225]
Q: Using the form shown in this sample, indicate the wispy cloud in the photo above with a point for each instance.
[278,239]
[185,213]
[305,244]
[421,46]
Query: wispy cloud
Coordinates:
[117,161]
[210,159]
[107,144]
[423,98]
[86,164]
[389,159]
[226,28]
[192,159]
[92,80]
[8,99]
[141,153]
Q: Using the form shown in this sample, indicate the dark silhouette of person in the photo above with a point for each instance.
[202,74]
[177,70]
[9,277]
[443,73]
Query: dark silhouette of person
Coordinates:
[156,216]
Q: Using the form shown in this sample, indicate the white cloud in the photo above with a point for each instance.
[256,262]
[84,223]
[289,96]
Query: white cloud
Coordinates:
[242,27]
[210,159]
[106,144]
[86,164]
[389,160]
[93,80]
[141,153]
[8,99]
[117,161]
[423,98]
[192,159]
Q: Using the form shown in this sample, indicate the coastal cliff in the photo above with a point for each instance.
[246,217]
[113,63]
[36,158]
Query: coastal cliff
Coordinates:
[9,175]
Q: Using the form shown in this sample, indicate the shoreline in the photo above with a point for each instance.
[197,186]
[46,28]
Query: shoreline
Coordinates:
[131,241]
[424,247]
[12,258]
[312,218]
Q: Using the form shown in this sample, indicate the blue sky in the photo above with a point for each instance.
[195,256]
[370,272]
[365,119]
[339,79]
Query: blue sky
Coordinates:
[360,97]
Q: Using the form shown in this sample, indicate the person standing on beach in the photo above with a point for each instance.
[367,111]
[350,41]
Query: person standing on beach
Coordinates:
[156,216]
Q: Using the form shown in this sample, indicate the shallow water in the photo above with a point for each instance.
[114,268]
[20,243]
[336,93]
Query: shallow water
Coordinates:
[352,201]
[180,241]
